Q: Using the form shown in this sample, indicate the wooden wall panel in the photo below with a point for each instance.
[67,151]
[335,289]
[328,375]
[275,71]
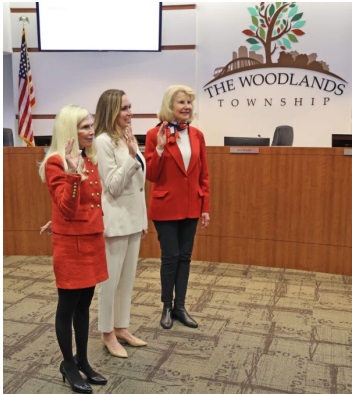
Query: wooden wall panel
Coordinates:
[26,203]
[21,183]
[284,207]
[27,243]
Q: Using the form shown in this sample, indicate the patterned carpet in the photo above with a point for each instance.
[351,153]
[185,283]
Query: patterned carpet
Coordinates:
[261,330]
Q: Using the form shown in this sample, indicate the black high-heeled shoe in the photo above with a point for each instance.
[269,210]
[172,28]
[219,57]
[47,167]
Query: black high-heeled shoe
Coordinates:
[78,384]
[92,376]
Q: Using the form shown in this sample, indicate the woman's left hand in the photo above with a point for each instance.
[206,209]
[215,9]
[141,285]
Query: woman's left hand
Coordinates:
[46,228]
[205,219]
[144,233]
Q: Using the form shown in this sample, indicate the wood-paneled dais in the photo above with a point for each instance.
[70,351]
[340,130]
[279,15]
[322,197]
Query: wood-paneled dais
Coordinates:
[283,207]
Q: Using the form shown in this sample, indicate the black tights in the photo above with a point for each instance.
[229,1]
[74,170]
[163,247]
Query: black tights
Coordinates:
[73,308]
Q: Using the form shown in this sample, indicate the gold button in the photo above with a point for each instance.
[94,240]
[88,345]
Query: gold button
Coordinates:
[92,194]
[98,205]
[92,170]
[98,194]
[91,183]
[96,182]
[92,206]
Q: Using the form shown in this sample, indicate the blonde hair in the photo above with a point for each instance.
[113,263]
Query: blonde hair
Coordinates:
[166,112]
[66,125]
[107,111]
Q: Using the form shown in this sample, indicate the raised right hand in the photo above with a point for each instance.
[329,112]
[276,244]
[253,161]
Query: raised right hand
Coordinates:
[161,136]
[131,142]
[72,162]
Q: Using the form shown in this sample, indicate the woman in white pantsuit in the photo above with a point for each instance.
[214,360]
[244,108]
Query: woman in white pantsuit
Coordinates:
[122,173]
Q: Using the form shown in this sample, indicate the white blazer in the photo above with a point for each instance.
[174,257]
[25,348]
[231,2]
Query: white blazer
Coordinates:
[123,182]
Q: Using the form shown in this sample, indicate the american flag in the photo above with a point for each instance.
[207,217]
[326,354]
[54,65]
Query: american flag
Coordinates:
[26,99]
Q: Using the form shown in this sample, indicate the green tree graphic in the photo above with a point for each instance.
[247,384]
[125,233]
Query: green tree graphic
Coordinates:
[274,26]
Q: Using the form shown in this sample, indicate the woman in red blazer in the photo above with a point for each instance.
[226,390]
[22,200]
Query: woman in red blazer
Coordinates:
[177,166]
[70,171]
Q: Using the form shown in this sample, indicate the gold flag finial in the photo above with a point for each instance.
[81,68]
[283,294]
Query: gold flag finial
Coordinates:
[24,19]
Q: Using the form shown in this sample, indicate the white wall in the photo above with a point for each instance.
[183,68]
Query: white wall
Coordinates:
[215,29]
[8,94]
[8,118]
[6,33]
[80,77]
[327,33]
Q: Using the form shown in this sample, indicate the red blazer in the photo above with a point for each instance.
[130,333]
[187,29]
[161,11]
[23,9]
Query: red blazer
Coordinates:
[76,204]
[176,193]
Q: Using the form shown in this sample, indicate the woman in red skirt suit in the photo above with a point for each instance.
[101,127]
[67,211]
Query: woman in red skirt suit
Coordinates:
[70,171]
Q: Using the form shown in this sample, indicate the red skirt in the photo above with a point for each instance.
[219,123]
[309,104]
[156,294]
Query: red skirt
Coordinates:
[79,260]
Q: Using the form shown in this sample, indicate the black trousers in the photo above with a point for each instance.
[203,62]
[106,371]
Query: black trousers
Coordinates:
[176,238]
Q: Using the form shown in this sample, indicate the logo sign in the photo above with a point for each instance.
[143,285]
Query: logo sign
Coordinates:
[271,56]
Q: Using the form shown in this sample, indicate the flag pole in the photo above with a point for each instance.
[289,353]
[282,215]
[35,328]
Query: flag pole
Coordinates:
[26,99]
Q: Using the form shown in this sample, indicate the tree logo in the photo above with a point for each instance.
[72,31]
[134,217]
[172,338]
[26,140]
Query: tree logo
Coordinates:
[274,26]
[275,29]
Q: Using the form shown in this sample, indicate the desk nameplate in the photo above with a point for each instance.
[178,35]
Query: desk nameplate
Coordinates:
[347,152]
[241,149]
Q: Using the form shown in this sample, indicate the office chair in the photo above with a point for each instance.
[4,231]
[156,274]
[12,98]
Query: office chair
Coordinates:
[7,137]
[283,136]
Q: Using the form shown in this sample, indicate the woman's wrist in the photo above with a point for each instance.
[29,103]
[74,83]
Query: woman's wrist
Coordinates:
[159,151]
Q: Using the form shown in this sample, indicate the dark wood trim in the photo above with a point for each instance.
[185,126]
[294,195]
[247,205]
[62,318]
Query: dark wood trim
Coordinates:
[163,48]
[144,116]
[41,117]
[164,8]
[52,116]
[177,47]
[179,7]
[28,49]
[23,10]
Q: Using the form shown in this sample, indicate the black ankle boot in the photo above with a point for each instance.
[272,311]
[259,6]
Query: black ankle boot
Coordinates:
[179,313]
[166,317]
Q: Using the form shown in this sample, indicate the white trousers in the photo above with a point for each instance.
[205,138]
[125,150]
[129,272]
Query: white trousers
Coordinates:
[115,294]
